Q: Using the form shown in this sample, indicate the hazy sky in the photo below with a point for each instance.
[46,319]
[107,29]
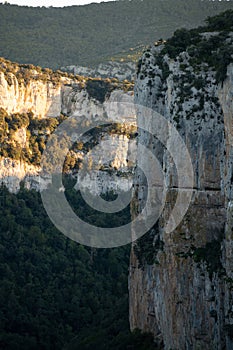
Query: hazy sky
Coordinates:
[55,3]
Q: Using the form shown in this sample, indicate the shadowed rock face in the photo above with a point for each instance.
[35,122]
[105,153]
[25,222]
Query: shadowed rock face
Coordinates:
[185,297]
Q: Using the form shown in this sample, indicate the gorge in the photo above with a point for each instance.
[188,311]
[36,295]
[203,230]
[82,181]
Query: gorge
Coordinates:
[180,281]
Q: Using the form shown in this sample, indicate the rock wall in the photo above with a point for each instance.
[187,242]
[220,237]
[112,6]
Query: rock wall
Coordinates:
[12,172]
[40,97]
[111,165]
[185,297]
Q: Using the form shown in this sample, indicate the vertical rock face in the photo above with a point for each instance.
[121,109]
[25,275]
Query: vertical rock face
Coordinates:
[110,168]
[40,97]
[180,285]
[12,172]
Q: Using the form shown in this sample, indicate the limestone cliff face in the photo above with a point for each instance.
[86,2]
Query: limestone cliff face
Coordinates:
[111,164]
[181,289]
[46,96]
[40,97]
[12,172]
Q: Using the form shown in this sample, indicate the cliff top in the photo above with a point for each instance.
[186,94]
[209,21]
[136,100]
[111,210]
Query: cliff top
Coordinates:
[27,72]
[210,45]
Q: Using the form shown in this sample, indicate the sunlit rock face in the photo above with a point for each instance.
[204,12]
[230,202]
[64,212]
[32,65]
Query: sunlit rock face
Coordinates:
[44,99]
[180,286]
[40,97]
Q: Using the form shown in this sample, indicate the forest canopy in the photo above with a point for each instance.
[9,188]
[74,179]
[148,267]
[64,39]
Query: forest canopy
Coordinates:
[55,293]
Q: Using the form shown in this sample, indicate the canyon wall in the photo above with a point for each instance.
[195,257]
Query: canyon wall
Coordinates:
[180,282]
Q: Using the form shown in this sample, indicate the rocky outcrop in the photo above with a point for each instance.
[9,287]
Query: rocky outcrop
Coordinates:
[111,69]
[180,285]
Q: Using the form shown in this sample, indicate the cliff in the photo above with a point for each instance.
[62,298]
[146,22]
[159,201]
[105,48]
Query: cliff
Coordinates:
[180,281]
[34,101]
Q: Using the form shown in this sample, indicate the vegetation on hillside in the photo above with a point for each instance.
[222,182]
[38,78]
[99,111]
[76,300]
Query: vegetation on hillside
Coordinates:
[37,132]
[198,59]
[24,138]
[85,35]
[211,44]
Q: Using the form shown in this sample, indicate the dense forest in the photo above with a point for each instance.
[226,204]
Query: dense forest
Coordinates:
[55,293]
[87,35]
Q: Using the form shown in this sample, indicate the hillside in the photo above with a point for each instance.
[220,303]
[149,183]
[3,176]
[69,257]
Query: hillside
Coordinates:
[88,35]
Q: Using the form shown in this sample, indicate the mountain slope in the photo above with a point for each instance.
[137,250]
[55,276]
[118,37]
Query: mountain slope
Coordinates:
[84,35]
